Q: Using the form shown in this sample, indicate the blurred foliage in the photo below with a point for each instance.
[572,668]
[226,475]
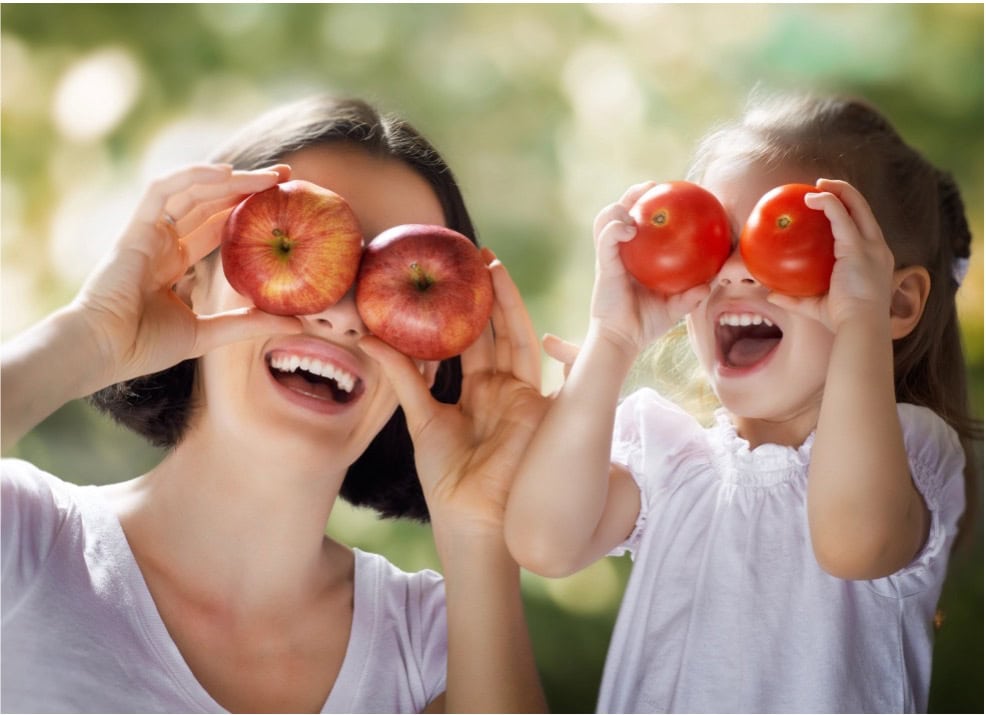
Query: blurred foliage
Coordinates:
[546,112]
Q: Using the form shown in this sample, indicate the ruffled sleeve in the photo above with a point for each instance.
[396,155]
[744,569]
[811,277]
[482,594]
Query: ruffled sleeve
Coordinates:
[937,462]
[647,429]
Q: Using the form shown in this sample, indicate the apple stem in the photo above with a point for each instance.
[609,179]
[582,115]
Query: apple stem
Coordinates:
[283,241]
[420,278]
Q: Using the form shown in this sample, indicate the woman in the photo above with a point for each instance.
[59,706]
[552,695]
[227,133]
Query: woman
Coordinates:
[209,584]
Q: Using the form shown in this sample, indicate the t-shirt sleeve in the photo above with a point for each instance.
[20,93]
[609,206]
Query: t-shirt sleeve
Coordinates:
[430,630]
[32,514]
[937,462]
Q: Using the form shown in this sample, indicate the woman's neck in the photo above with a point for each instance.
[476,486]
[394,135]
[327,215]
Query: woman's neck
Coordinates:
[223,517]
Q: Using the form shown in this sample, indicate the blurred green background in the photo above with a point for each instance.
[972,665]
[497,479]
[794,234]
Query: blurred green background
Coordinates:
[545,112]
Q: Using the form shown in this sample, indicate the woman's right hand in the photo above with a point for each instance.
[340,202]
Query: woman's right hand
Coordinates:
[625,311]
[137,322]
[127,320]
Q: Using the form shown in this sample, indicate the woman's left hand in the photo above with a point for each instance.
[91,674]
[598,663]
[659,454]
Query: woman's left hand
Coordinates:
[467,453]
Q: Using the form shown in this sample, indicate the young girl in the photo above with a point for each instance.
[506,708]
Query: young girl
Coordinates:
[789,557]
[208,584]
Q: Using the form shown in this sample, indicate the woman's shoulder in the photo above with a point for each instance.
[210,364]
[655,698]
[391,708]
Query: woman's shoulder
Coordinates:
[383,579]
[26,487]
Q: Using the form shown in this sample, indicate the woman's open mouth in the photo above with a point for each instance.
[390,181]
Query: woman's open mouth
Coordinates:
[314,378]
[744,340]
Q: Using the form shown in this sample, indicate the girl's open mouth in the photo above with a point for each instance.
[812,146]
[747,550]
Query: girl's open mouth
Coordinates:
[314,378]
[744,340]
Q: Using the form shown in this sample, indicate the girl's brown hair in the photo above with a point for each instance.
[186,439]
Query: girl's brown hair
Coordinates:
[919,209]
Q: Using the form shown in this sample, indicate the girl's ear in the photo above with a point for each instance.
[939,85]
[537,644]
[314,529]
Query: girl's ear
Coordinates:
[911,288]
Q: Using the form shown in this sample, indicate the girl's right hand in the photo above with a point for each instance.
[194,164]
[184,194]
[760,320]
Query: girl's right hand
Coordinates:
[137,322]
[622,309]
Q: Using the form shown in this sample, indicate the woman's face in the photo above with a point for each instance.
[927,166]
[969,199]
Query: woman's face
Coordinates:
[764,364]
[248,389]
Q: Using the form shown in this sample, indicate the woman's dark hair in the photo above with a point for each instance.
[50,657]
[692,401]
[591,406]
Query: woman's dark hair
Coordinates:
[158,406]
[919,209]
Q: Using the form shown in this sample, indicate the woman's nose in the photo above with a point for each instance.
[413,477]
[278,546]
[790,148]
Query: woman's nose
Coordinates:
[734,271]
[341,317]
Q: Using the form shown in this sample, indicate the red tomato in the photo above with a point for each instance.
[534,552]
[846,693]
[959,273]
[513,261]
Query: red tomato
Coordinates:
[682,238]
[787,246]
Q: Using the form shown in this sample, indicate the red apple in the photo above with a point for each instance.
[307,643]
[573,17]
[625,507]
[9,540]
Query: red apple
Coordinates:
[424,290]
[293,249]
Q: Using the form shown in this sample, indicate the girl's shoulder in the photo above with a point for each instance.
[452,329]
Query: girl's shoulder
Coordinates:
[647,412]
[926,433]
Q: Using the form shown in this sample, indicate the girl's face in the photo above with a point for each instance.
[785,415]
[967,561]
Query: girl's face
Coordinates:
[246,388]
[767,366]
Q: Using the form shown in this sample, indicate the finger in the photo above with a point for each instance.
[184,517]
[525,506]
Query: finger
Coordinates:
[480,357]
[608,245]
[844,228]
[213,331]
[521,356]
[152,204]
[857,206]
[405,379]
[203,240]
[609,214]
[808,307]
[561,350]
[633,194]
[680,304]
[182,206]
[502,349]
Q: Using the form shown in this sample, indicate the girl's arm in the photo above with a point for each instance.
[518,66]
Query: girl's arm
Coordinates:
[570,505]
[127,320]
[866,516]
[466,455]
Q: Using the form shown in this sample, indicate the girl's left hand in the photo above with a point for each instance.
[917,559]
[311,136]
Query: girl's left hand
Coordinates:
[862,279]
[467,453]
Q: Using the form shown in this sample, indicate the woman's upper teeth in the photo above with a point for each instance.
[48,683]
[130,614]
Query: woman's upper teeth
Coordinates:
[289,363]
[743,319]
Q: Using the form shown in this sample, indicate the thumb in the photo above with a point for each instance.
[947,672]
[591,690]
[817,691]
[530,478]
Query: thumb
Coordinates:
[406,380]
[212,331]
[561,350]
[809,307]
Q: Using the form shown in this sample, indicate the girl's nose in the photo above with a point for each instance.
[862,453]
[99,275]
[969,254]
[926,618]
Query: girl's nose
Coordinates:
[341,318]
[734,272]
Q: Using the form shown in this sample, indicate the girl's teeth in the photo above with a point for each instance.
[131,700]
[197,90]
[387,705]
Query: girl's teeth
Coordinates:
[290,363]
[743,319]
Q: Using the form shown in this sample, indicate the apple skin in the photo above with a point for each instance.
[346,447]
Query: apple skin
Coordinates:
[294,249]
[424,290]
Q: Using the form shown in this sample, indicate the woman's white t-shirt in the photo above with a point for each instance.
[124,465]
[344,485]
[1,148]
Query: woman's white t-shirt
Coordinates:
[726,609]
[80,632]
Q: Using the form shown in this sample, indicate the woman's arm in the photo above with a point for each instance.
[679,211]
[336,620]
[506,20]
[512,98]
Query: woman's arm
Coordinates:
[127,319]
[466,455]
[866,516]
